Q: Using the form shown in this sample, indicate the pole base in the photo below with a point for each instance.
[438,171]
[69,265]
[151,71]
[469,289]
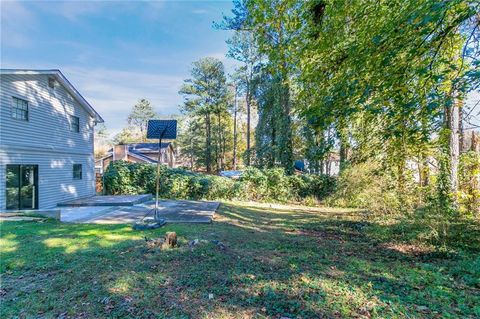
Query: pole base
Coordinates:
[154,214]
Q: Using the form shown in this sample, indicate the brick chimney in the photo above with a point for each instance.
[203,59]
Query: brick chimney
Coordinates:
[120,152]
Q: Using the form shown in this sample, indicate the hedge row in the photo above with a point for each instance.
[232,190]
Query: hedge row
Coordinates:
[270,185]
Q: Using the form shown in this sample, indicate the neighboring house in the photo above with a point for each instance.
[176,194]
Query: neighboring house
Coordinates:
[137,153]
[46,140]
[330,167]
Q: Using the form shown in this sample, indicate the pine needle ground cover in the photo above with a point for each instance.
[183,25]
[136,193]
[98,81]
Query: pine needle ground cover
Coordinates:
[254,261]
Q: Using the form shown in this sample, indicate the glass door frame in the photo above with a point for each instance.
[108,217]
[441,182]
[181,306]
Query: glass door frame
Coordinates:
[20,169]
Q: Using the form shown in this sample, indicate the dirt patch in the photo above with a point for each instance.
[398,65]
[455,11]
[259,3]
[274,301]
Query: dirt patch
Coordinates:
[408,249]
[317,234]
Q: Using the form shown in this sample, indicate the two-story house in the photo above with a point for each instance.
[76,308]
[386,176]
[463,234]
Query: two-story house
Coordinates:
[46,140]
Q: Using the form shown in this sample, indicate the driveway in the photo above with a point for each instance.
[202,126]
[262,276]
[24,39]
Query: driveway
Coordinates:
[173,211]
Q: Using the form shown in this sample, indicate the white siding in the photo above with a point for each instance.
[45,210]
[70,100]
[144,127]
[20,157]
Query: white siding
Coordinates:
[45,139]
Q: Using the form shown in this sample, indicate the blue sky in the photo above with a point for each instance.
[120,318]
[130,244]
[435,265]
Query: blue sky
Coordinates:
[115,52]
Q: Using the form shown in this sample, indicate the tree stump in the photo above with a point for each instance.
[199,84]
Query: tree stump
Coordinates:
[170,239]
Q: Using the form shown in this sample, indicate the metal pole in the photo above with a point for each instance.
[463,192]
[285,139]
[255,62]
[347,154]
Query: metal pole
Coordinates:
[158,173]
[235,130]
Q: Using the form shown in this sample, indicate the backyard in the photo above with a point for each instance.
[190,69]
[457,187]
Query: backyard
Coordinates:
[253,261]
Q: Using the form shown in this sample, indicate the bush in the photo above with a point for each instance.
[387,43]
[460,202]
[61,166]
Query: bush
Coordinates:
[469,184]
[271,185]
[366,186]
[117,179]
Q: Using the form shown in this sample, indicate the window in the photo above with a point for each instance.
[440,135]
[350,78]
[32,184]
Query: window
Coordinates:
[77,171]
[74,124]
[19,109]
[51,83]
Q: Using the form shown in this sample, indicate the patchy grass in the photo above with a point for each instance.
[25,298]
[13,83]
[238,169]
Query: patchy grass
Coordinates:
[289,261]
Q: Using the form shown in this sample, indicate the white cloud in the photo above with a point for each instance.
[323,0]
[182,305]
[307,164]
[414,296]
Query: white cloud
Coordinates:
[200,11]
[153,9]
[72,10]
[217,55]
[16,23]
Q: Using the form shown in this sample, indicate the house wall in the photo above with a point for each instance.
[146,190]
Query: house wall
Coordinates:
[120,152]
[45,139]
[133,159]
[55,175]
[154,156]
[167,157]
[106,162]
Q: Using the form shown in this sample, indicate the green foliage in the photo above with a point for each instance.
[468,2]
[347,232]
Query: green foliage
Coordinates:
[139,116]
[206,102]
[368,186]
[137,120]
[271,185]
[469,179]
[380,80]
[118,179]
[126,136]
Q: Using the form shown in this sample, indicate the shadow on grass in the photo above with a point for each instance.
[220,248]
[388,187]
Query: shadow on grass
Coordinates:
[277,263]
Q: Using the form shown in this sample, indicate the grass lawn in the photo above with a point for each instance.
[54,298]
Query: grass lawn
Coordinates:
[287,261]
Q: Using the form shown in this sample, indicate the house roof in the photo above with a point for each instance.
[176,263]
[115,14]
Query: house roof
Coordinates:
[142,157]
[137,155]
[146,147]
[64,82]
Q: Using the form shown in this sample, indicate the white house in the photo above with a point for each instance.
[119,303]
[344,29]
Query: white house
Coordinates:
[46,140]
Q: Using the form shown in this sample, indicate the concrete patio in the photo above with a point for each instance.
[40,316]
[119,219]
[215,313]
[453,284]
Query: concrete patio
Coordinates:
[107,200]
[173,211]
[185,211]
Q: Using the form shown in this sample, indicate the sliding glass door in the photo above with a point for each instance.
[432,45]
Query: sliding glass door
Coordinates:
[22,186]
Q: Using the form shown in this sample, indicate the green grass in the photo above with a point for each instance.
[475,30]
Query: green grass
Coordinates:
[285,261]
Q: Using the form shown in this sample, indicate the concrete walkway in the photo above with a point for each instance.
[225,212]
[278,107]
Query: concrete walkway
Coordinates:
[172,211]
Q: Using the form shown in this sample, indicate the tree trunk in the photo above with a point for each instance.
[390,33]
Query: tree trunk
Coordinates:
[208,148]
[273,152]
[287,156]
[460,130]
[219,144]
[191,154]
[475,144]
[452,119]
[423,170]
[343,155]
[424,165]
[343,152]
[475,147]
[247,100]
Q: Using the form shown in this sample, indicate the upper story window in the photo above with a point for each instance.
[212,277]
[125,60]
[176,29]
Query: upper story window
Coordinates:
[77,171]
[51,82]
[19,109]
[74,123]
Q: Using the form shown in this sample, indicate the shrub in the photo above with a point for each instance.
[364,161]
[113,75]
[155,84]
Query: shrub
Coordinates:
[271,185]
[256,184]
[118,180]
[310,185]
[366,186]
[469,184]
